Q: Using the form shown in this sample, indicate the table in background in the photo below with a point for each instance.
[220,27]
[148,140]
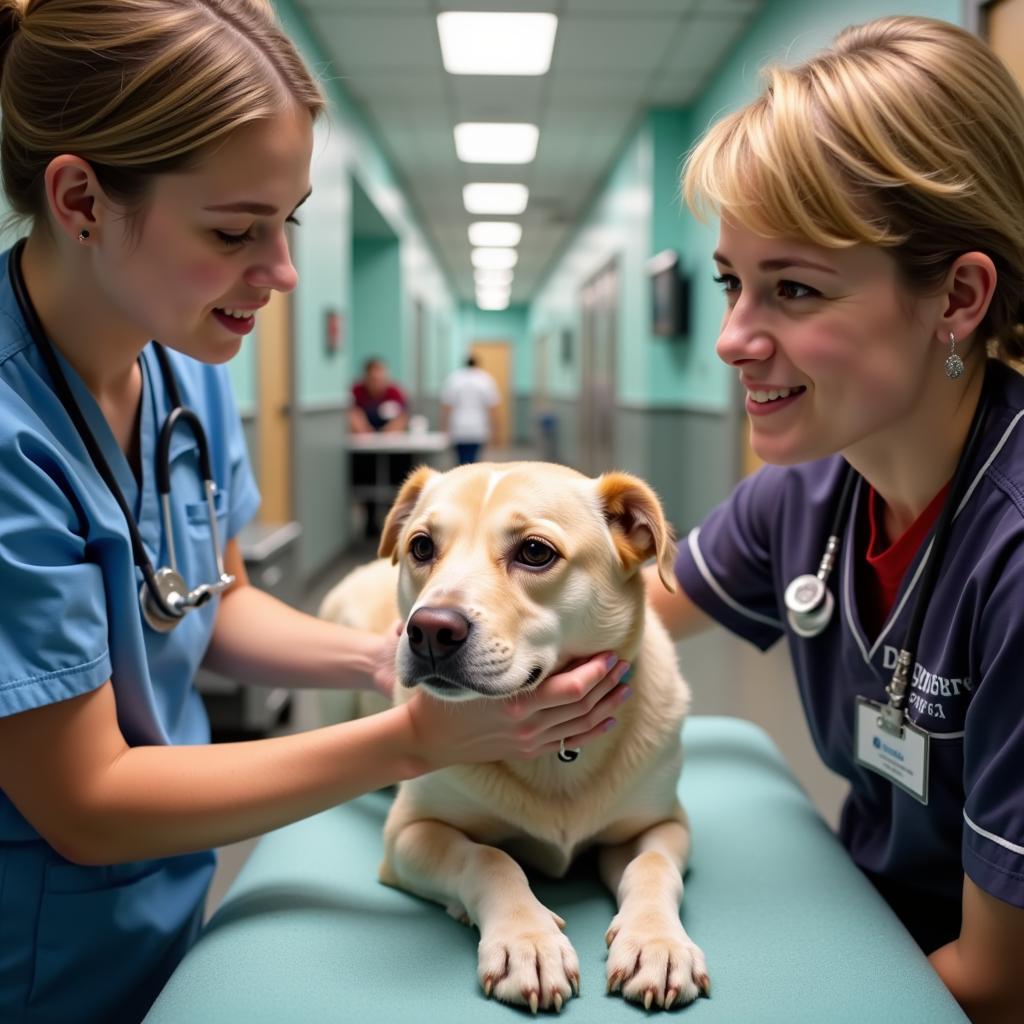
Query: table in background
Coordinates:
[428,445]
[791,929]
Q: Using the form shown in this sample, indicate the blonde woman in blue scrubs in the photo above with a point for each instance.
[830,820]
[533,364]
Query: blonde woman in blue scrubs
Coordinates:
[157,150]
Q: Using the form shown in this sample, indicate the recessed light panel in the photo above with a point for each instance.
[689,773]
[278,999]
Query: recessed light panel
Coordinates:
[508,198]
[494,259]
[495,232]
[492,278]
[498,43]
[492,299]
[478,142]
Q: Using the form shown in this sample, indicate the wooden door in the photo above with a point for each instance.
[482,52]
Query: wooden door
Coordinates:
[496,358]
[1004,31]
[274,394]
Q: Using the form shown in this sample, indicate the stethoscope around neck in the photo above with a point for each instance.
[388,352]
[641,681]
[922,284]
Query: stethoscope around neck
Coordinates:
[165,597]
[810,604]
[808,600]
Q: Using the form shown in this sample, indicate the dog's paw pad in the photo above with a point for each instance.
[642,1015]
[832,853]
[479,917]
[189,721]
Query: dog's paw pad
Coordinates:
[532,967]
[656,967]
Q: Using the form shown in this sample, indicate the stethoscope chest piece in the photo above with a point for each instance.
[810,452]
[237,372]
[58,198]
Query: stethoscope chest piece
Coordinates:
[809,605]
[173,592]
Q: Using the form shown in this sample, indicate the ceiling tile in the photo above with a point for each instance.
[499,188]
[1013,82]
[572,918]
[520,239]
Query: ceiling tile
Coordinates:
[613,60]
[400,86]
[590,89]
[702,44]
[745,8]
[377,42]
[676,91]
[500,98]
[615,45]
[375,6]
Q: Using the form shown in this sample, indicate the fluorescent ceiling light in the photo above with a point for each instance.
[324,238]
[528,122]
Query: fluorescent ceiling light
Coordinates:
[492,301]
[495,232]
[478,43]
[494,259]
[495,197]
[479,142]
[493,278]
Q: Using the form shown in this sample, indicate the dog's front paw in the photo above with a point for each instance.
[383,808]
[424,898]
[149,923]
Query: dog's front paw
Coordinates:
[652,960]
[527,960]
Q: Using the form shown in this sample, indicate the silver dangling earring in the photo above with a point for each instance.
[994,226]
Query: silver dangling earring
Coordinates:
[954,364]
[83,235]
[567,754]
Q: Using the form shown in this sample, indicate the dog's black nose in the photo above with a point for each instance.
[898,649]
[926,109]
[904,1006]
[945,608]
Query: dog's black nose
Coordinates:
[436,632]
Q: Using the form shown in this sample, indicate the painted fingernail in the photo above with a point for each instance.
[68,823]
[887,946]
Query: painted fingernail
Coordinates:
[627,672]
[611,661]
[625,692]
[610,724]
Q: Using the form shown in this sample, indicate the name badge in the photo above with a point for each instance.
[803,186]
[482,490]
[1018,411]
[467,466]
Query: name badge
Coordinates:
[902,759]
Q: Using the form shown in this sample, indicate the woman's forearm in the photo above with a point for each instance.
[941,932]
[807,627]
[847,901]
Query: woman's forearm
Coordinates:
[261,640]
[160,801]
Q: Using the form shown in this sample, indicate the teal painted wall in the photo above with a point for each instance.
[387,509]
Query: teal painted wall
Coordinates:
[323,248]
[617,227]
[376,321]
[638,213]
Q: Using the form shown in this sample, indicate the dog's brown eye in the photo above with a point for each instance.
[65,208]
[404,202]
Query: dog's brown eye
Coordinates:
[421,547]
[535,554]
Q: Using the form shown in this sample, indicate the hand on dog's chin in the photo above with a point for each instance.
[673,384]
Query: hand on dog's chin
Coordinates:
[447,689]
[442,689]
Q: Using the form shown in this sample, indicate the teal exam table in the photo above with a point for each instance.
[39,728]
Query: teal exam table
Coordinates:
[791,930]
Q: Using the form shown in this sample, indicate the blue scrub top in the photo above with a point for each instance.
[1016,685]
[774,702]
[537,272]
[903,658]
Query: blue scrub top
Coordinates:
[97,943]
[965,687]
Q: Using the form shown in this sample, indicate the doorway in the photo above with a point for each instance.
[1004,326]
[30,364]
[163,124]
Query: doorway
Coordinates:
[275,376]
[599,302]
[496,358]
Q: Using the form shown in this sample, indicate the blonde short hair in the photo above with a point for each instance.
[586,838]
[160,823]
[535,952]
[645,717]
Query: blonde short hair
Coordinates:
[135,87]
[907,133]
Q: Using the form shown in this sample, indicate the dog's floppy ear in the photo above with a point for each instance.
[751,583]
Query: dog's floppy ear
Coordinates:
[408,495]
[637,523]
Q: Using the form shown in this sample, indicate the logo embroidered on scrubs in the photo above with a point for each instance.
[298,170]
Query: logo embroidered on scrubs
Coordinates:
[935,702]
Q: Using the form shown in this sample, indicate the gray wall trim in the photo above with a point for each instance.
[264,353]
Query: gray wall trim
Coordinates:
[689,458]
[698,408]
[321,481]
[323,406]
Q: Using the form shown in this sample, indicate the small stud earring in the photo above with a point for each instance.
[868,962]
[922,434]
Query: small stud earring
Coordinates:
[83,234]
[954,364]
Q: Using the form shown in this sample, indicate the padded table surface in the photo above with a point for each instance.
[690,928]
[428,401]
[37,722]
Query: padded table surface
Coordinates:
[791,929]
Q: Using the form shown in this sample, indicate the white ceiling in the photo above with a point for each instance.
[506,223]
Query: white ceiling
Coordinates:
[613,60]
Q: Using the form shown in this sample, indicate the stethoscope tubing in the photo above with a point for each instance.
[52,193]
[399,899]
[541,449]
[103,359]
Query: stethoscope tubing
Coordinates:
[939,543]
[170,613]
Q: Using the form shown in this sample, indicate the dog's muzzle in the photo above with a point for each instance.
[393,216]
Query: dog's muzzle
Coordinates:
[435,634]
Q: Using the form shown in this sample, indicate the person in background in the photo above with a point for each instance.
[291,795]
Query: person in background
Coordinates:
[469,410]
[378,403]
[156,152]
[871,252]
[378,406]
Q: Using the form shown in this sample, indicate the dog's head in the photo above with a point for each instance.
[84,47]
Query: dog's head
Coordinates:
[510,570]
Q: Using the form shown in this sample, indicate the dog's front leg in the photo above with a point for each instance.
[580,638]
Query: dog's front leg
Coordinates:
[523,955]
[651,959]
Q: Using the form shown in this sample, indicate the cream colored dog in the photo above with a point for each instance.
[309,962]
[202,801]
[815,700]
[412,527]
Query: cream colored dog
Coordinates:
[503,574]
